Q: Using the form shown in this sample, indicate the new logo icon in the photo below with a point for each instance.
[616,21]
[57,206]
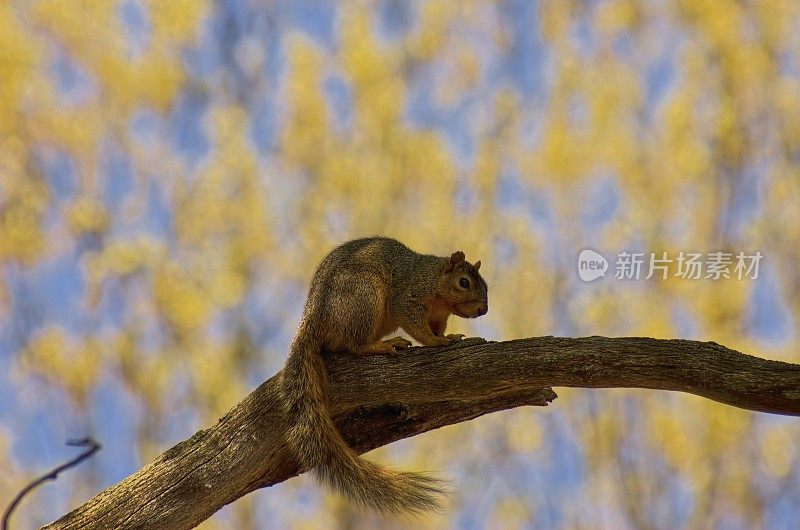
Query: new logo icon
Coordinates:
[591,265]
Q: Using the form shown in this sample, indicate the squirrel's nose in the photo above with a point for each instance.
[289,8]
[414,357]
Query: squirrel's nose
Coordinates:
[482,310]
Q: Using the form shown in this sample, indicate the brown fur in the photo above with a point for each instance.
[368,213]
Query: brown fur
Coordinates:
[362,291]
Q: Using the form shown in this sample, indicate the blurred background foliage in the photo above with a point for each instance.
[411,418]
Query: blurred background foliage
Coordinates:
[171,172]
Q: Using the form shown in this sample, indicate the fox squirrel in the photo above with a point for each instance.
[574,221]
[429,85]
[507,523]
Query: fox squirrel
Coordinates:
[362,291]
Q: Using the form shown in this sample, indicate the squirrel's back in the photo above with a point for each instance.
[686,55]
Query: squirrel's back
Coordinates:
[379,254]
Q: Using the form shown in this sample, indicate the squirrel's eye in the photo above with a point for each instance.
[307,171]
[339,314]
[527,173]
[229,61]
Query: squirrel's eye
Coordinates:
[463,282]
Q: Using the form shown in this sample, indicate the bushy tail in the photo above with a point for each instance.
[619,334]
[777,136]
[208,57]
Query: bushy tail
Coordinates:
[320,446]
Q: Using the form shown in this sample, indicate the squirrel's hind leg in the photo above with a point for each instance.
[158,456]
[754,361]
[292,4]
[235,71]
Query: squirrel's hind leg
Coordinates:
[358,314]
[385,347]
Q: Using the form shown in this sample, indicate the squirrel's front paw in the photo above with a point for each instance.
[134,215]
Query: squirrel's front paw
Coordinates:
[455,337]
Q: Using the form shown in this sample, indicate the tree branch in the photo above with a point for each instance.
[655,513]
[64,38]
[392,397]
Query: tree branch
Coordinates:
[92,448]
[377,400]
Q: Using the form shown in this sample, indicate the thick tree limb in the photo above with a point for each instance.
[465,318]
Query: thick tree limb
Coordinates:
[378,400]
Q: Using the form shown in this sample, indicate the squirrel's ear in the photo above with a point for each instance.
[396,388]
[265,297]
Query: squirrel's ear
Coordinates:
[477,265]
[456,258]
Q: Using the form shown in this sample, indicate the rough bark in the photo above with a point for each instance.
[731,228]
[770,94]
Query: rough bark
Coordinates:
[378,400]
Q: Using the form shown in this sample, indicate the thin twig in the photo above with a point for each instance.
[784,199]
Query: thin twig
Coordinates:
[92,446]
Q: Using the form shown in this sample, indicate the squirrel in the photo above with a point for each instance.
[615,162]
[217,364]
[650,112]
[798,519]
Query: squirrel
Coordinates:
[362,291]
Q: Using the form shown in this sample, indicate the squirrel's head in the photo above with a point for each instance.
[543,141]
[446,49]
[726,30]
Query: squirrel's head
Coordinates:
[464,288]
